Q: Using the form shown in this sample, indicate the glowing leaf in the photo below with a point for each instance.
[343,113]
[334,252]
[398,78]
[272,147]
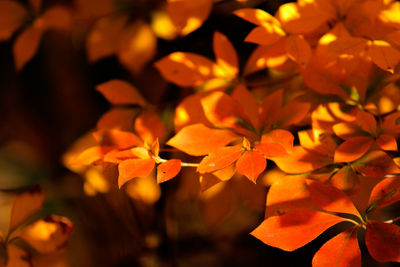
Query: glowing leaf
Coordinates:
[57,17]
[225,54]
[136,46]
[133,168]
[117,139]
[198,140]
[49,234]
[383,241]
[352,149]
[276,143]
[251,164]
[376,164]
[366,121]
[220,158]
[294,229]
[117,118]
[119,92]
[386,192]
[249,104]
[12,15]
[186,69]
[384,55]
[168,170]
[89,156]
[256,16]
[342,250]
[25,46]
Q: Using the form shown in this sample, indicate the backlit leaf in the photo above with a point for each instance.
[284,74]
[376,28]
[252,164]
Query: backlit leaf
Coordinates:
[386,192]
[133,168]
[168,170]
[225,54]
[12,15]
[25,46]
[352,149]
[220,158]
[383,241]
[251,164]
[119,92]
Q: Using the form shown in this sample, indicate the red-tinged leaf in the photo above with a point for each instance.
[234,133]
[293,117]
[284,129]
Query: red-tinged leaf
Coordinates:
[298,49]
[387,142]
[251,164]
[383,241]
[267,34]
[256,16]
[270,108]
[119,92]
[137,45]
[36,4]
[384,55]
[49,234]
[292,113]
[220,158]
[249,104]
[225,54]
[149,126]
[352,149]
[295,228]
[376,164]
[221,109]
[102,40]
[89,156]
[346,130]
[346,180]
[287,194]
[117,156]
[198,140]
[366,121]
[301,160]
[25,205]
[186,69]
[386,192]
[56,18]
[330,198]
[12,15]
[133,168]
[317,141]
[117,118]
[116,138]
[340,251]
[168,170]
[25,46]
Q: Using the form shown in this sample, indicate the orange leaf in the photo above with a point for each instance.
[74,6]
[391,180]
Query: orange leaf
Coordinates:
[133,168]
[198,140]
[376,164]
[136,46]
[186,69]
[295,228]
[346,180]
[25,205]
[270,108]
[251,164]
[346,130]
[116,138]
[298,49]
[119,92]
[49,234]
[220,158]
[342,250]
[366,121]
[168,170]
[188,15]
[149,126]
[58,18]
[383,241]
[387,142]
[118,118]
[102,40]
[225,54]
[12,15]
[352,149]
[276,143]
[25,46]
[386,192]
[249,104]
[384,55]
[292,113]
[221,109]
[89,156]
[256,16]
[330,198]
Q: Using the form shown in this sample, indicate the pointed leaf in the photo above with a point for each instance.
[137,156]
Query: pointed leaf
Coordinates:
[220,158]
[384,55]
[133,168]
[352,149]
[298,49]
[12,15]
[117,139]
[376,164]
[251,164]
[340,251]
[386,192]
[149,126]
[119,92]
[383,241]
[168,170]
[225,54]
[89,156]
[294,229]
[387,142]
[25,46]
